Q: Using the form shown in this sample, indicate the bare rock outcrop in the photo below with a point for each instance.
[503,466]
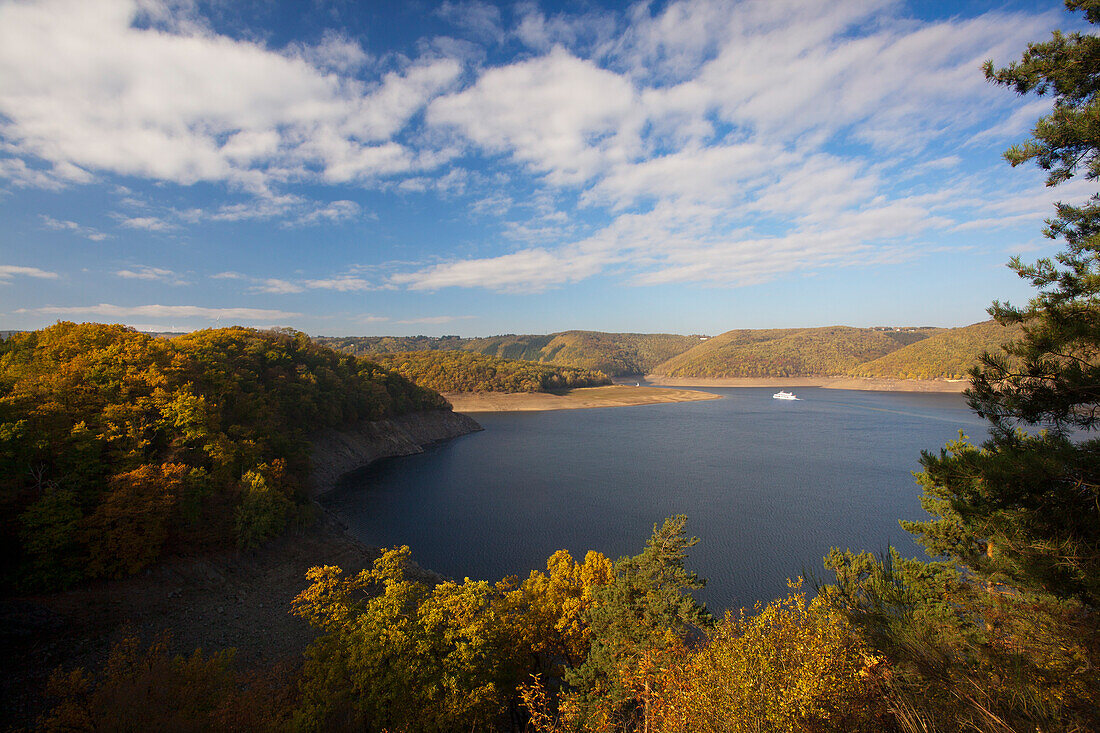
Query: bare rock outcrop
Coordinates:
[337,452]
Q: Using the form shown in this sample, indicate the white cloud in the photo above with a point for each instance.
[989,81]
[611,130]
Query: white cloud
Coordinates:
[563,116]
[157,274]
[1016,124]
[7,272]
[145,223]
[54,178]
[369,318]
[335,52]
[62,225]
[482,20]
[688,141]
[84,89]
[343,284]
[733,143]
[524,271]
[276,286]
[331,213]
[107,310]
[496,204]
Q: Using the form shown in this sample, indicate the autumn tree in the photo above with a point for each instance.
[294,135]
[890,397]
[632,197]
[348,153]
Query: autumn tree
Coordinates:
[148,688]
[556,606]
[398,654]
[117,447]
[793,665]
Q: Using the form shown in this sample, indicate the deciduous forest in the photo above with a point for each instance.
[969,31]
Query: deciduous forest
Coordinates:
[892,353]
[464,371]
[119,448]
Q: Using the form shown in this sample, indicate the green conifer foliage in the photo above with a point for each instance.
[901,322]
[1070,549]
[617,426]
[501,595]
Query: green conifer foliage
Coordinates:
[1004,632]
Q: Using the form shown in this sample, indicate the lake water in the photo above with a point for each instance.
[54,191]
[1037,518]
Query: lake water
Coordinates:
[768,485]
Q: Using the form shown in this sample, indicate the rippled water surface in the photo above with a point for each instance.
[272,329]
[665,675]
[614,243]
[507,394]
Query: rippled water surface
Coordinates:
[768,486]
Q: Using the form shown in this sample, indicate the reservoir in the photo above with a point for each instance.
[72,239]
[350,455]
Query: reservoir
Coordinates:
[767,485]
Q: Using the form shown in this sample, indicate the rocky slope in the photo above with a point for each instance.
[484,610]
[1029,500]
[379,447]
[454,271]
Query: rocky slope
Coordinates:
[337,452]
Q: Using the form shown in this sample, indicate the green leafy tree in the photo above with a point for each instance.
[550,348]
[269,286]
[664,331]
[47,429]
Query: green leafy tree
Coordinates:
[646,610]
[265,509]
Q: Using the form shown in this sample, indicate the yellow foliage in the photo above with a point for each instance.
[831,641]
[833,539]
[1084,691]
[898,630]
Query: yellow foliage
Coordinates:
[557,603]
[793,666]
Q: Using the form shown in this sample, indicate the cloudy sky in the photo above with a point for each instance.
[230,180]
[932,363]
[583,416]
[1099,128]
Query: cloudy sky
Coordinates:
[359,168]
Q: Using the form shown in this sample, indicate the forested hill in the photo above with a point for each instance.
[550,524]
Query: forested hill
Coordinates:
[611,353]
[949,354]
[898,353]
[788,352]
[463,371]
[117,447]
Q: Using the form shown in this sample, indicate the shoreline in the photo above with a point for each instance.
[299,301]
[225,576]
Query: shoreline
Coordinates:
[574,399]
[869,384]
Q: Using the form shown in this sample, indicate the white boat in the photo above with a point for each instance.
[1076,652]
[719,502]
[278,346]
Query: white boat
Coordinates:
[784,395]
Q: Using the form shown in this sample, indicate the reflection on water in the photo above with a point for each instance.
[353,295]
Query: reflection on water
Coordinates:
[768,486]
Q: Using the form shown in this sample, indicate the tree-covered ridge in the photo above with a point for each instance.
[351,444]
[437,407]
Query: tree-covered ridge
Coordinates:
[464,371]
[116,447]
[829,351]
[893,353]
[949,354]
[615,353]
[611,353]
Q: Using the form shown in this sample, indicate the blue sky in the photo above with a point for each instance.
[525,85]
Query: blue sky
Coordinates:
[362,168]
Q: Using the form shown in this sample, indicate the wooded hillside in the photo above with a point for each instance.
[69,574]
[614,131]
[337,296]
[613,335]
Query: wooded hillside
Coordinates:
[897,353]
[614,354]
[117,447]
[462,371]
[788,352]
[949,354]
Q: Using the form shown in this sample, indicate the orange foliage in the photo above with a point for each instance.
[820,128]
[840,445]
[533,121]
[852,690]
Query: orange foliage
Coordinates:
[127,530]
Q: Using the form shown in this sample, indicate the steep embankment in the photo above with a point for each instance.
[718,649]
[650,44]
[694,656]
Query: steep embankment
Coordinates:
[340,451]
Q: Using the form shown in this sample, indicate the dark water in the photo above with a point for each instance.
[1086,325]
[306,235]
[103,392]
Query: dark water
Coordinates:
[767,485]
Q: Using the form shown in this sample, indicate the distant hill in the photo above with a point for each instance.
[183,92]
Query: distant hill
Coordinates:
[789,352]
[922,352]
[949,354]
[463,371]
[614,354]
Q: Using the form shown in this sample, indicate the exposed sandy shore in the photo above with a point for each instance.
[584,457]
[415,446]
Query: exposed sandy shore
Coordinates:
[875,385]
[574,399]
